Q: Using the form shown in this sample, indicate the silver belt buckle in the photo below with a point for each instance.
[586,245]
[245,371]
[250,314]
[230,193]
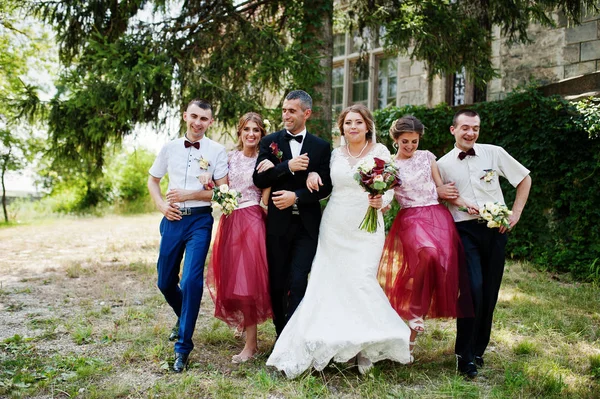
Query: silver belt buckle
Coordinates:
[185,211]
[295,210]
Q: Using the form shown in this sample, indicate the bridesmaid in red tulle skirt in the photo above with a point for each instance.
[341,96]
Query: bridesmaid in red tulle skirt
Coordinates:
[237,277]
[422,269]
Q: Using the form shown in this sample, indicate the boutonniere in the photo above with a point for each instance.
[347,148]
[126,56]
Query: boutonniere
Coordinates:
[488,176]
[276,151]
[203,163]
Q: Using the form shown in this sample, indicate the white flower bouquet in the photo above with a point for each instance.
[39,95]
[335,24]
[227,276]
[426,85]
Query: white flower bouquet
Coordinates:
[225,198]
[494,214]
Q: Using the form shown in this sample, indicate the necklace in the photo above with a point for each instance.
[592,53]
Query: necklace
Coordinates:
[359,154]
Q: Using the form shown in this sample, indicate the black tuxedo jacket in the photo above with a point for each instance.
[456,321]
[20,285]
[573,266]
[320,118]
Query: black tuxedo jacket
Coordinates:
[280,178]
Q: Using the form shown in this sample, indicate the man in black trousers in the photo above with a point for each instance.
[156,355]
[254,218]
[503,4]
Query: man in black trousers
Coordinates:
[474,170]
[294,213]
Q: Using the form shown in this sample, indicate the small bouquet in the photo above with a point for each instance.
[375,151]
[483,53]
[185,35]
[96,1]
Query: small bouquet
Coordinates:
[276,151]
[494,214]
[375,177]
[488,176]
[225,198]
[203,163]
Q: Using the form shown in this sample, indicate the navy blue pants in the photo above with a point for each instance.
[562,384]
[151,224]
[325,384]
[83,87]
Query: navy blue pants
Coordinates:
[484,255]
[191,235]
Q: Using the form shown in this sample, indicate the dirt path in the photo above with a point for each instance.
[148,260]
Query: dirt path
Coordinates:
[43,249]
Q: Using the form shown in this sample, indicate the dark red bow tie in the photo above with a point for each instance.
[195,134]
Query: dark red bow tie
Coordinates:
[462,155]
[289,137]
[189,144]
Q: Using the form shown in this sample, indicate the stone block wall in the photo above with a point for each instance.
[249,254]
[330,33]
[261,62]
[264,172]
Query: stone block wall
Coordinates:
[412,82]
[553,55]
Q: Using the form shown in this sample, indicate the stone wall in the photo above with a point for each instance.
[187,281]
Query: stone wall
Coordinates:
[414,87]
[554,54]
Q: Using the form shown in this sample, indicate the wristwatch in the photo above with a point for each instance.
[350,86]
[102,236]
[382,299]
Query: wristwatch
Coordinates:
[295,210]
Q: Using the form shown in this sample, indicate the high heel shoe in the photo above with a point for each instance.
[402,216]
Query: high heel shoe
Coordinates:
[364,364]
[239,358]
[239,332]
[411,346]
[417,325]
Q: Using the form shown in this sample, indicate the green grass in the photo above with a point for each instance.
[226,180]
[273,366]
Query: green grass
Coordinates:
[545,344]
[26,372]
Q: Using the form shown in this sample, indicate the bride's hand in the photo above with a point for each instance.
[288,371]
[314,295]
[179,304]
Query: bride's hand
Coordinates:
[264,165]
[375,201]
[207,181]
[313,181]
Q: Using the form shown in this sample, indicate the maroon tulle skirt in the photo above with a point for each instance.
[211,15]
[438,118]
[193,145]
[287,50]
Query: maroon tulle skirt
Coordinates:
[238,275]
[422,269]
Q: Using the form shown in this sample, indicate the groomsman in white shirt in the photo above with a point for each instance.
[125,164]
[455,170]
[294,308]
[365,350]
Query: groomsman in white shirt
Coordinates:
[473,170]
[187,223]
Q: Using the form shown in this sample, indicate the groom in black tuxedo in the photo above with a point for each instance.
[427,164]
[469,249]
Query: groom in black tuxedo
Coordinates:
[294,212]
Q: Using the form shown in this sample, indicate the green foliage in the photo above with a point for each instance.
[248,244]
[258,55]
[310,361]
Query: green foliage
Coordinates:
[77,193]
[128,173]
[22,51]
[560,227]
[590,112]
[595,366]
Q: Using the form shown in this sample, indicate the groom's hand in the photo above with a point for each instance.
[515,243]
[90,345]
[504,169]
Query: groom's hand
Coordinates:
[283,199]
[298,163]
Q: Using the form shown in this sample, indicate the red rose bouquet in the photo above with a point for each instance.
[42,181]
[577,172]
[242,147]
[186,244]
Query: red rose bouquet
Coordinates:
[376,177]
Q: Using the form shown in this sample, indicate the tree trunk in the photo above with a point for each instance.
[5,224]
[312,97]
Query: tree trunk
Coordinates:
[4,192]
[319,35]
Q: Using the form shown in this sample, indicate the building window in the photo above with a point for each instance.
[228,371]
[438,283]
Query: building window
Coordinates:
[337,90]
[387,82]
[458,88]
[364,42]
[479,95]
[339,45]
[360,85]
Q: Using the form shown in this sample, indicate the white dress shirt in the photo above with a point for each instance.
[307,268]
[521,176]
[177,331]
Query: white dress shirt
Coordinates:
[477,177]
[296,147]
[183,165]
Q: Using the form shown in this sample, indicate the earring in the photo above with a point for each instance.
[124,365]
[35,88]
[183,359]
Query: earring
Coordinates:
[395,145]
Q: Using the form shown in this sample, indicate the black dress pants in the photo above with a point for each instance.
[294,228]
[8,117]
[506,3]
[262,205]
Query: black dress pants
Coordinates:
[290,259]
[484,255]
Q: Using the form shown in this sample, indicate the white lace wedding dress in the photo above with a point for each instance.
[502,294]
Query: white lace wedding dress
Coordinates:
[344,311]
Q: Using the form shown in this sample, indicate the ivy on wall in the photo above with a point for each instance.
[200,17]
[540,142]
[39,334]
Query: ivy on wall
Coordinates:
[559,142]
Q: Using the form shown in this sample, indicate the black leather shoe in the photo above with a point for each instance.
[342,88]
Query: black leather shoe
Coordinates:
[174,336]
[478,360]
[181,362]
[468,369]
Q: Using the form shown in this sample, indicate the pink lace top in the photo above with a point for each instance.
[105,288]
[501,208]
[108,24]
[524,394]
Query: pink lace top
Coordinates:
[241,168]
[418,187]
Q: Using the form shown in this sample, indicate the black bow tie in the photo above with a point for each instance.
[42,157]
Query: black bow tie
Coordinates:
[289,137]
[189,144]
[462,155]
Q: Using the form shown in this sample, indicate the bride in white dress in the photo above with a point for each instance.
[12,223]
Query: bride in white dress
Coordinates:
[345,313]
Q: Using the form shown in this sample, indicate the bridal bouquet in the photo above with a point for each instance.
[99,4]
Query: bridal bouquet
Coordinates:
[494,214]
[225,198]
[376,177]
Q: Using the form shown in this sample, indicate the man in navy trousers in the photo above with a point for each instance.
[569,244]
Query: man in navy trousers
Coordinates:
[187,223]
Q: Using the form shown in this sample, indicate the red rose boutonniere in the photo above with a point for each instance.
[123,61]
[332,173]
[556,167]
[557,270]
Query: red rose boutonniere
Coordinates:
[276,151]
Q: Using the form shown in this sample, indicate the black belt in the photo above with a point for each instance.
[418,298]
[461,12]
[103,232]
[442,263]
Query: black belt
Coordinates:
[195,210]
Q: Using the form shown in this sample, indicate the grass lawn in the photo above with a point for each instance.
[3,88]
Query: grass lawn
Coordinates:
[80,316]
